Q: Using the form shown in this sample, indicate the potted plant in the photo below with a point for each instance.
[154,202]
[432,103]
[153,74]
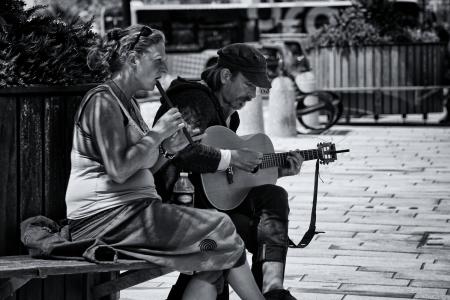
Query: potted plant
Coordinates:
[43,76]
[375,55]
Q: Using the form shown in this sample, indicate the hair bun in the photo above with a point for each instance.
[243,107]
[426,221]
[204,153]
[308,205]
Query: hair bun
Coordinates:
[114,34]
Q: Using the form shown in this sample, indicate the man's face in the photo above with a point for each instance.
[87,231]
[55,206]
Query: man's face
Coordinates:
[237,91]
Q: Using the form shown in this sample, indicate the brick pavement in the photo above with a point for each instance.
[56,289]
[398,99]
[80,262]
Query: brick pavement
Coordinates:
[385,208]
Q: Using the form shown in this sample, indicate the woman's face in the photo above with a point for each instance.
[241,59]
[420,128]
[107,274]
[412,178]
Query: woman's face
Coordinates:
[151,65]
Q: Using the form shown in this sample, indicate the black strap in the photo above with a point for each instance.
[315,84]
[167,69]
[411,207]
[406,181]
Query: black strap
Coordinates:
[309,235]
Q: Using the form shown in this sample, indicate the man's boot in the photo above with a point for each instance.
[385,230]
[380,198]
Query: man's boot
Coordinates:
[279,294]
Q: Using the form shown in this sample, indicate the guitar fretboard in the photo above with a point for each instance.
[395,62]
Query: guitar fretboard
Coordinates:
[279,159]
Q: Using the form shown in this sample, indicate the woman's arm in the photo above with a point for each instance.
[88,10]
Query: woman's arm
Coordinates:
[104,120]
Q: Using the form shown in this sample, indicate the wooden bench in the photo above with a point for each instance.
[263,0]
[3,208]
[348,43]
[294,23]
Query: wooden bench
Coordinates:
[16,271]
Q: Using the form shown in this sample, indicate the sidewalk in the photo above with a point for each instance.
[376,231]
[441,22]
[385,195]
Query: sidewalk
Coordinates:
[385,210]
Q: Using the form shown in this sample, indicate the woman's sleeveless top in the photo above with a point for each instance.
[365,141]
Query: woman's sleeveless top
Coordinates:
[90,189]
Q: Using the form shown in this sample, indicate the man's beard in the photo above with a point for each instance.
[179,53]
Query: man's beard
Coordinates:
[236,104]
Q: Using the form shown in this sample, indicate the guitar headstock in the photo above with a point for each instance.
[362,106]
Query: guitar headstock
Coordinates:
[327,152]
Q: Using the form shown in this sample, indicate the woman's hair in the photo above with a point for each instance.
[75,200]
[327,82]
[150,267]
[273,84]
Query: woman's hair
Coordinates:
[211,76]
[112,50]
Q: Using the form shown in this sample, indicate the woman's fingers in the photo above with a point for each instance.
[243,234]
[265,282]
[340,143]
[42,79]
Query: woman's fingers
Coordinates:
[198,137]
[174,113]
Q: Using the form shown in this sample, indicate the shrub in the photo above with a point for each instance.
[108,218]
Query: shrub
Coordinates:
[40,48]
[371,24]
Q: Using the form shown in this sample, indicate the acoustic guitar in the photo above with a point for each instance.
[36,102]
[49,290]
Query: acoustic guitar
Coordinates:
[225,190]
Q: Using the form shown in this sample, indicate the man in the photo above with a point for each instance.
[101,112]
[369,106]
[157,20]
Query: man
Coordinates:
[262,218]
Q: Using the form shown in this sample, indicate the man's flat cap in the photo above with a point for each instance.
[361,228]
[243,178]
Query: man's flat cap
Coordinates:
[247,60]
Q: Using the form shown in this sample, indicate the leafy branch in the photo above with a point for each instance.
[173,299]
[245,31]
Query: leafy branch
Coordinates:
[39,48]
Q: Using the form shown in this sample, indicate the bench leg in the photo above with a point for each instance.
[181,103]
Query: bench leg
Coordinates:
[126,280]
[11,285]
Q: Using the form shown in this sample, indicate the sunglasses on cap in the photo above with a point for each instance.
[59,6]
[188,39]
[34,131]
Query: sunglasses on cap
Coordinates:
[145,31]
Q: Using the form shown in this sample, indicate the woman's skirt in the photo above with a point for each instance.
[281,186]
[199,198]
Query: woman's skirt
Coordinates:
[182,238]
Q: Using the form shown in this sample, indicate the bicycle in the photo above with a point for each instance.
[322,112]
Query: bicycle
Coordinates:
[329,109]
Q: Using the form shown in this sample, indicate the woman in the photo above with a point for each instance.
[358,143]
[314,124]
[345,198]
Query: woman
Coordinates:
[111,195]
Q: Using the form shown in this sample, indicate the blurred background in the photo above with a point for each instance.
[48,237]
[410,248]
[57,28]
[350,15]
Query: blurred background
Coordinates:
[358,57]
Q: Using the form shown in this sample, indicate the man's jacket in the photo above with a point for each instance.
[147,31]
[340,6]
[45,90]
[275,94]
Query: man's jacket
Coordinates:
[201,109]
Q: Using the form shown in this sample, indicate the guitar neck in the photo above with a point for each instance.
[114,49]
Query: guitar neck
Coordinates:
[279,159]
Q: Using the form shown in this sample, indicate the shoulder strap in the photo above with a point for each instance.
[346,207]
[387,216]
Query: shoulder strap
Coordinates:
[104,88]
[85,100]
[126,112]
[309,235]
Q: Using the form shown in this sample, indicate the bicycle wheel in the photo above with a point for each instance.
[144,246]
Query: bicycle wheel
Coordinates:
[327,110]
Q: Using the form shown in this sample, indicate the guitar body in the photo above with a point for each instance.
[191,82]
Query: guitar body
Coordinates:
[222,194]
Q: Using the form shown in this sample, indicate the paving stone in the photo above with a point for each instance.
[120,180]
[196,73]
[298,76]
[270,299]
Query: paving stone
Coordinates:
[422,229]
[424,275]
[331,286]
[386,237]
[430,283]
[397,220]
[361,297]
[425,293]
[358,277]
[136,293]
[438,266]
[306,266]
[316,295]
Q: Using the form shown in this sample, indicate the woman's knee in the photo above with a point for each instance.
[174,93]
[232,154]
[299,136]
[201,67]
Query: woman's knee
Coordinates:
[228,229]
[209,276]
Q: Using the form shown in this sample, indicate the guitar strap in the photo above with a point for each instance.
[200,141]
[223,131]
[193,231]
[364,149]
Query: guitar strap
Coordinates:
[309,235]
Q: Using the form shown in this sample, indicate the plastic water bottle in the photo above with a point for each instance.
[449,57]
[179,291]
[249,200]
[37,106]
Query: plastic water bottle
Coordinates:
[183,191]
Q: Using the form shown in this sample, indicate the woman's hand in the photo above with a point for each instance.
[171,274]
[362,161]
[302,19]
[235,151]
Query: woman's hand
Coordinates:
[178,140]
[169,124]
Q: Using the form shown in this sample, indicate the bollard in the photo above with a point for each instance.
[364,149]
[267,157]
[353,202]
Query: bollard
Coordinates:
[306,82]
[251,116]
[281,119]
[311,119]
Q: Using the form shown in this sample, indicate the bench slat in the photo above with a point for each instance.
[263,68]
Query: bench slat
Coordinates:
[18,266]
